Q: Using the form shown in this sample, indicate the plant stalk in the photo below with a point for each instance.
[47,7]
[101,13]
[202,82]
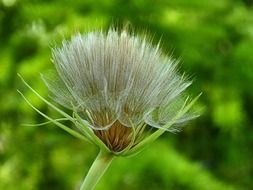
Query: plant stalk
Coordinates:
[97,170]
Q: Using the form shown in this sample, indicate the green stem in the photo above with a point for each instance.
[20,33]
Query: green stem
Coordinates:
[97,170]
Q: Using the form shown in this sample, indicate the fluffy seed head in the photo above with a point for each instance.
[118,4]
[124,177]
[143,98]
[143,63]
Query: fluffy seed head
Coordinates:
[117,83]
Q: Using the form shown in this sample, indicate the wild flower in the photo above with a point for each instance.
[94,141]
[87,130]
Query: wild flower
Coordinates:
[123,91]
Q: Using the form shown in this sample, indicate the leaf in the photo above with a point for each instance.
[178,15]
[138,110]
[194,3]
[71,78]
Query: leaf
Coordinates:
[151,138]
[47,102]
[65,128]
[44,123]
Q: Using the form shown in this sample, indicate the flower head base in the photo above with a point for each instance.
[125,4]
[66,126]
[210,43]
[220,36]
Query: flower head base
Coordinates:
[116,85]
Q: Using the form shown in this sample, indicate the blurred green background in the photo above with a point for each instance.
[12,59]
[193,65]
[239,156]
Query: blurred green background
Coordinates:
[213,39]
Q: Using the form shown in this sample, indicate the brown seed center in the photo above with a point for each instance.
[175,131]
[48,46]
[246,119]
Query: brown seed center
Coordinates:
[117,137]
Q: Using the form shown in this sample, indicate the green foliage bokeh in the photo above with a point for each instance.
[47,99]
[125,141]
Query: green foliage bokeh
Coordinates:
[213,40]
